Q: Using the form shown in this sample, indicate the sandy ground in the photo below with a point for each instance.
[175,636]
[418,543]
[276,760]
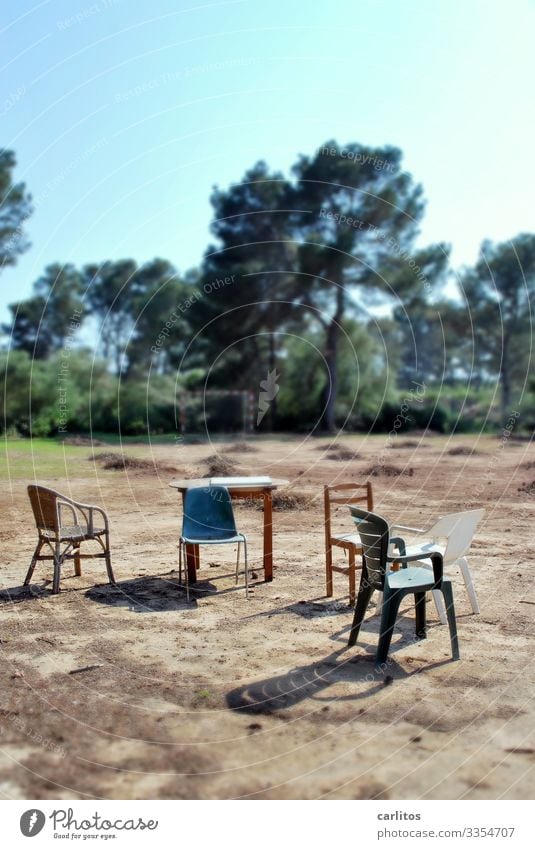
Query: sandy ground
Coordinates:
[227,698]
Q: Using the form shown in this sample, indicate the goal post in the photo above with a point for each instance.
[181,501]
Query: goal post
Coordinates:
[216,410]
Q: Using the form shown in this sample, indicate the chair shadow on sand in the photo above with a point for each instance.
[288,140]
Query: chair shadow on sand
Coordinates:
[355,666]
[153,594]
[16,595]
[271,695]
[142,595]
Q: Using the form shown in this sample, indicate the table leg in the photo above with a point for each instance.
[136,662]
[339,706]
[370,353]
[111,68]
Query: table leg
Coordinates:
[268,535]
[192,562]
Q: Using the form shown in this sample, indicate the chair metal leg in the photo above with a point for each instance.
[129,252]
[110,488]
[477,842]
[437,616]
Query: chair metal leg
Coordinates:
[186,573]
[30,571]
[463,564]
[452,622]
[238,562]
[363,599]
[391,602]
[181,559]
[419,605]
[246,568]
[439,604]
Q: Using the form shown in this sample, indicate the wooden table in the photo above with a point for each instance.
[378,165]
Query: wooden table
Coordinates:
[264,491]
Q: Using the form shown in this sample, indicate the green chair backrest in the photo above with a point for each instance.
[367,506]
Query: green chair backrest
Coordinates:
[374,533]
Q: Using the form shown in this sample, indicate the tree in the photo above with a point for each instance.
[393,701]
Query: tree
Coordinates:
[355,213]
[159,314]
[109,294]
[499,292]
[425,338]
[255,255]
[133,305]
[15,208]
[43,323]
[363,378]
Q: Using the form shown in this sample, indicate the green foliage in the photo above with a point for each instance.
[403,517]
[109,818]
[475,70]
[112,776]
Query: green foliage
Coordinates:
[355,214]
[15,208]
[286,290]
[362,374]
[134,306]
[50,319]
[248,285]
[499,291]
[109,298]
[28,399]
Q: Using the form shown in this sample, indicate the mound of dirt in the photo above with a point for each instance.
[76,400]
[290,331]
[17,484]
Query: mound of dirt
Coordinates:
[293,501]
[241,448]
[388,471]
[220,466]
[528,487]
[120,462]
[411,443]
[462,451]
[282,501]
[343,454]
[80,439]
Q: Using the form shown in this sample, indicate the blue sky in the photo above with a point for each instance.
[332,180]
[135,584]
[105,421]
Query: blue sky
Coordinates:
[124,114]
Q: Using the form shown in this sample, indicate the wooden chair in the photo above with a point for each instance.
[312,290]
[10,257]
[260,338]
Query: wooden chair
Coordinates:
[64,540]
[344,493]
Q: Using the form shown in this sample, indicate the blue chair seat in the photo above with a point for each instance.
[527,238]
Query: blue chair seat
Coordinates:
[212,540]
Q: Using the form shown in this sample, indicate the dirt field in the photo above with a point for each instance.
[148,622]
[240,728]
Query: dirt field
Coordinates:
[227,698]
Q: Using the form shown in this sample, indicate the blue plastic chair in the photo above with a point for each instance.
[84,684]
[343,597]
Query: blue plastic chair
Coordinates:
[209,520]
[377,546]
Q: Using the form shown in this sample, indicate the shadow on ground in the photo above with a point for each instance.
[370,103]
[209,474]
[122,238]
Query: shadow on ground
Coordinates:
[310,682]
[16,595]
[143,595]
[271,695]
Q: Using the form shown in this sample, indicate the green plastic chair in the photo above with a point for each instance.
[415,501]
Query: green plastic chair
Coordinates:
[377,547]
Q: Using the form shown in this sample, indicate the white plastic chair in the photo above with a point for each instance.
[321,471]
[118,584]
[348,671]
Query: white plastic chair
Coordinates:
[457,531]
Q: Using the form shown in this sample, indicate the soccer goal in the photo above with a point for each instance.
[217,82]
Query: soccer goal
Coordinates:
[216,411]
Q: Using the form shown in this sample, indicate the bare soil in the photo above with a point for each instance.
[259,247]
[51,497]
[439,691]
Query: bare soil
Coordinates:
[130,692]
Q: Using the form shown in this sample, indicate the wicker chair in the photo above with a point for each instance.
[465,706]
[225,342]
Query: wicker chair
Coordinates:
[64,540]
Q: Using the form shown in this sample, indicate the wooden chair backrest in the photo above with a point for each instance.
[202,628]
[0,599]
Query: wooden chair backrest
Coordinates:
[43,502]
[349,493]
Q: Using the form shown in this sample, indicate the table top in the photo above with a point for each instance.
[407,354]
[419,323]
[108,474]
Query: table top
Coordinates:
[186,483]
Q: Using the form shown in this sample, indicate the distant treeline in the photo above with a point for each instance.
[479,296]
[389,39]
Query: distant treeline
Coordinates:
[312,293]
